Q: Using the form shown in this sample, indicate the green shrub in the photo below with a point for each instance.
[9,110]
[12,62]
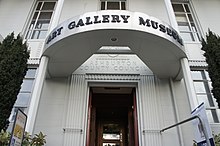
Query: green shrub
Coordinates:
[37,140]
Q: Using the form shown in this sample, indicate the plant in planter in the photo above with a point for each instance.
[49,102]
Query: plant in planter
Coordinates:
[4,138]
[37,140]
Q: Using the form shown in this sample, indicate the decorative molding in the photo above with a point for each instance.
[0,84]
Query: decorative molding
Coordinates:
[197,63]
[33,61]
[111,77]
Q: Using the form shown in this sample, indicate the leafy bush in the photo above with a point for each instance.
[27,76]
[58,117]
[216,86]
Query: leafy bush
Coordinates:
[37,140]
[4,138]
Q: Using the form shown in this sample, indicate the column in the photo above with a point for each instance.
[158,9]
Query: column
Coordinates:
[184,61]
[56,15]
[191,94]
[36,94]
[171,14]
[189,83]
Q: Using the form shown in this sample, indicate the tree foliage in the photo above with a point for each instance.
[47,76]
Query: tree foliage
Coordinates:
[211,46]
[13,67]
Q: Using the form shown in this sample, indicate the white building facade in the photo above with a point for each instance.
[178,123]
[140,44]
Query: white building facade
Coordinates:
[113,72]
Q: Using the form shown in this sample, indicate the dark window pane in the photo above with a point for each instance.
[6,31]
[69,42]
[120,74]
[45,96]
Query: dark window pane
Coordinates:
[48,6]
[187,8]
[210,99]
[45,15]
[113,6]
[178,8]
[32,25]
[215,117]
[35,34]
[193,27]
[35,16]
[102,5]
[122,5]
[29,34]
[190,17]
[39,6]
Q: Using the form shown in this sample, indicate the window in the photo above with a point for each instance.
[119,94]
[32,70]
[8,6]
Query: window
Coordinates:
[113,4]
[203,88]
[185,21]
[24,96]
[41,20]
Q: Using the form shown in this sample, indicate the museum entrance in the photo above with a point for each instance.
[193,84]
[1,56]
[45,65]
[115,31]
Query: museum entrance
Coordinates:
[112,117]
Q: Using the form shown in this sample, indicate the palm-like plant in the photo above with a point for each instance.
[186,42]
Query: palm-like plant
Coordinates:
[38,139]
[4,138]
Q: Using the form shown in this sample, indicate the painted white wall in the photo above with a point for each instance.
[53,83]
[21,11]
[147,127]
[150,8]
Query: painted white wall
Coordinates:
[73,8]
[155,106]
[167,114]
[76,112]
[159,108]
[194,52]
[184,111]
[50,116]
[155,8]
[13,15]
[208,14]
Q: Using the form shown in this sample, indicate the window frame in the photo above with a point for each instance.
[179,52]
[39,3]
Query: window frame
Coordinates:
[116,1]
[24,107]
[212,109]
[190,22]
[35,20]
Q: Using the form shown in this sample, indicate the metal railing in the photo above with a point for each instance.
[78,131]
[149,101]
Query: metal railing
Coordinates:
[190,119]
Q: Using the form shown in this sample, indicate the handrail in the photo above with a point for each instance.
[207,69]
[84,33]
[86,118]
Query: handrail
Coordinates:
[187,120]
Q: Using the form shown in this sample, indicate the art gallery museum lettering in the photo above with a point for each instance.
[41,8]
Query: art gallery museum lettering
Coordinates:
[113,73]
